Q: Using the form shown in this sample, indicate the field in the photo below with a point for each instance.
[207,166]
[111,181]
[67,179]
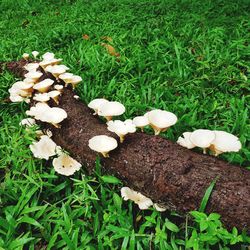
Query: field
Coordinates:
[187,57]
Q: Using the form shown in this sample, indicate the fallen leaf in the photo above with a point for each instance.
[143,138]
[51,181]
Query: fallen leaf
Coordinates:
[110,49]
[85,37]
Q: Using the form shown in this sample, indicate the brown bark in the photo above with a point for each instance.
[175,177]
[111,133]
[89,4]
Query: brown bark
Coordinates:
[162,170]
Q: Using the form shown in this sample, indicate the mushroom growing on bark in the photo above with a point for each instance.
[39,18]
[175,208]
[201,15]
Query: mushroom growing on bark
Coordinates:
[96,104]
[41,97]
[103,144]
[43,86]
[34,75]
[161,120]
[31,66]
[141,121]
[110,109]
[185,140]
[121,128]
[54,94]
[202,138]
[26,56]
[224,142]
[28,122]
[35,53]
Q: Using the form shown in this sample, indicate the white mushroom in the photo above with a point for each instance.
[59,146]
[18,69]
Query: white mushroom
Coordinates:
[202,138]
[41,97]
[185,140]
[225,142]
[56,70]
[38,110]
[35,53]
[75,80]
[142,201]
[161,120]
[141,122]
[28,122]
[121,128]
[43,86]
[35,75]
[110,109]
[66,77]
[96,104]
[54,94]
[16,98]
[48,56]
[44,148]
[102,144]
[26,56]
[21,88]
[66,165]
[31,66]
[76,97]
[46,63]
[28,80]
[58,87]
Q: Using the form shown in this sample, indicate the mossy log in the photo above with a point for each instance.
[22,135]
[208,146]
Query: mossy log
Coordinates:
[160,169]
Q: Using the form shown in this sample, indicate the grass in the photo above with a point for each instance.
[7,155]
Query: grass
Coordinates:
[188,57]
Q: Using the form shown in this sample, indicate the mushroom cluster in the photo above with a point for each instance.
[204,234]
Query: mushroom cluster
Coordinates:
[216,141]
[41,92]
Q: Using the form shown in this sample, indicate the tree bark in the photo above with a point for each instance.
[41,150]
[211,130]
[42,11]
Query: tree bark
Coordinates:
[160,169]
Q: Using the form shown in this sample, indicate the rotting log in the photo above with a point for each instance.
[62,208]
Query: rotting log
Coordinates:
[160,169]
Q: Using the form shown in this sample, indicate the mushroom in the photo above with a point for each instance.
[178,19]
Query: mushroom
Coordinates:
[28,122]
[76,97]
[96,104]
[44,148]
[102,144]
[185,140]
[35,75]
[26,56]
[66,77]
[28,80]
[75,80]
[21,88]
[202,138]
[51,62]
[38,110]
[110,109]
[31,66]
[121,128]
[66,165]
[35,53]
[142,201]
[58,87]
[41,97]
[43,86]
[161,120]
[54,94]
[224,142]
[48,56]
[56,70]
[141,122]
[16,98]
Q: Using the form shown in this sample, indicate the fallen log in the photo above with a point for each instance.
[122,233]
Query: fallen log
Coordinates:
[158,168]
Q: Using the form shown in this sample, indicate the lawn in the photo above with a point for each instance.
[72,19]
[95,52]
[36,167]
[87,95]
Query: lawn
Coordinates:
[187,57]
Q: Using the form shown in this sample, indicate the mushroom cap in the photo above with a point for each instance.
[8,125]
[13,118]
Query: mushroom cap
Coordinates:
[28,122]
[142,201]
[26,55]
[43,84]
[56,69]
[28,80]
[226,142]
[48,56]
[44,148]
[120,127]
[66,165]
[31,66]
[102,143]
[41,97]
[54,115]
[202,138]
[75,79]
[22,85]
[34,75]
[58,87]
[141,121]
[54,93]
[111,109]
[66,76]
[97,103]
[161,118]
[185,140]
[159,207]
[53,61]
[38,110]
[16,98]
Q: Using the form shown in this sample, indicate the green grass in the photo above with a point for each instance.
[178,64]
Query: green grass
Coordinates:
[188,57]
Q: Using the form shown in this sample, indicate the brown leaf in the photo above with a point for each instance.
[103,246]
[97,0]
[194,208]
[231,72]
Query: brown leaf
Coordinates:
[110,49]
[85,37]
[107,38]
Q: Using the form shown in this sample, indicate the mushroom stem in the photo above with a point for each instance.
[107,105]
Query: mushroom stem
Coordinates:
[56,125]
[105,154]
[108,118]
[204,151]
[142,130]
[122,138]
